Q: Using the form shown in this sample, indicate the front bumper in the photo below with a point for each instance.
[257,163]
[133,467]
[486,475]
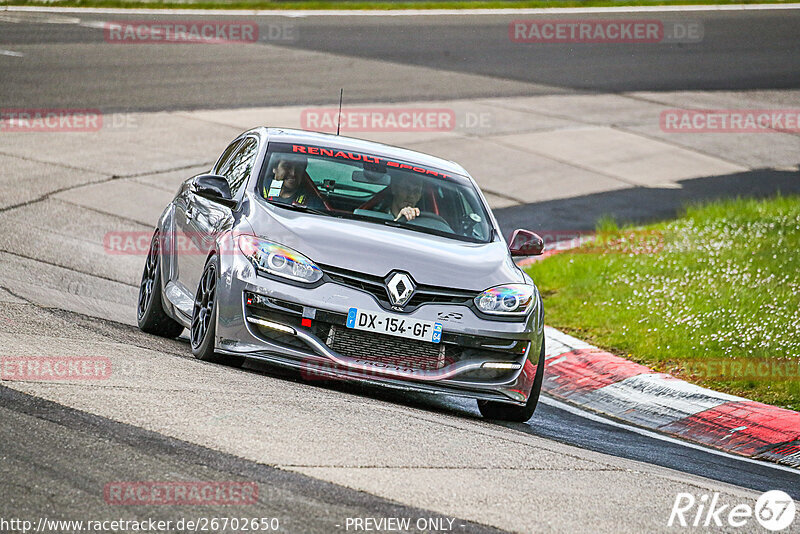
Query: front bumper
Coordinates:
[263,319]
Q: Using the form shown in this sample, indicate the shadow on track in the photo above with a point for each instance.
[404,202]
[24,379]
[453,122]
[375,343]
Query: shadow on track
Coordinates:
[642,205]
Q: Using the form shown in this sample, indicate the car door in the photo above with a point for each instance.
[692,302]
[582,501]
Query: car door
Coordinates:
[192,234]
[205,219]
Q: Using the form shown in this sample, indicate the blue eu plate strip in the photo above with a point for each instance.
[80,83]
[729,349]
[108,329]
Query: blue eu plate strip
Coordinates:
[351,317]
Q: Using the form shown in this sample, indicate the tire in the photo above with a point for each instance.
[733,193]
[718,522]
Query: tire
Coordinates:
[203,331]
[502,411]
[150,314]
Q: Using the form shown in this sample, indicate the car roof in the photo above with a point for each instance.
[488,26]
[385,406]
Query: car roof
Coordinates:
[340,142]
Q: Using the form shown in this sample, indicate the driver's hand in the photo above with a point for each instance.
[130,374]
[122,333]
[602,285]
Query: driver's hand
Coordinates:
[408,212]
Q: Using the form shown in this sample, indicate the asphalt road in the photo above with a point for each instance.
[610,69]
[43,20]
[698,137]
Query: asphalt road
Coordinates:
[68,63]
[321,452]
[56,462]
[557,421]
[57,458]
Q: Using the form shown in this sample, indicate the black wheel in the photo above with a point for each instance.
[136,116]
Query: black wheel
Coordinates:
[510,412]
[204,319]
[150,313]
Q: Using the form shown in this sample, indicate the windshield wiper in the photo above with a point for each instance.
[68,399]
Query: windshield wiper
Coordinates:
[299,207]
[395,224]
[425,230]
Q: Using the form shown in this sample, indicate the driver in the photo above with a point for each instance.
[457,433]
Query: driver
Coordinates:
[289,172]
[405,193]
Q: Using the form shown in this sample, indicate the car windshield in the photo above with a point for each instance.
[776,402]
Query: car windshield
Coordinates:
[328,181]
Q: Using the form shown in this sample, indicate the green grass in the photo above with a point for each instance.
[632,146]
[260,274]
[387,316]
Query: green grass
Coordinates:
[724,288]
[373,4]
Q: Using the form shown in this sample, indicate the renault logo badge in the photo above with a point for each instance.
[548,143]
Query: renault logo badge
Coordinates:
[400,288]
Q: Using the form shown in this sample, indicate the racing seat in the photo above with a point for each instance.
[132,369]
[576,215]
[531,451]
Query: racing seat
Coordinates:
[307,185]
[311,190]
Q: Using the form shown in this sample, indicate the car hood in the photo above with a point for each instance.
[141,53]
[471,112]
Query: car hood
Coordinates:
[375,249]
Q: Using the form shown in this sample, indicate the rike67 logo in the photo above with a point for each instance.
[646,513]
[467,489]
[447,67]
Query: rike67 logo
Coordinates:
[774,510]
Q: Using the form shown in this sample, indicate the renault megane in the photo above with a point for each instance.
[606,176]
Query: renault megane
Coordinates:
[349,259]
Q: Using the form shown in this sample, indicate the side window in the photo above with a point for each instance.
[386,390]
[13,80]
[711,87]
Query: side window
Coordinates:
[238,166]
[226,155]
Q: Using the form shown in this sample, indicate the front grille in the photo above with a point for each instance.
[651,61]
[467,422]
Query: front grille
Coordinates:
[387,350]
[384,350]
[440,296]
[374,285]
[363,282]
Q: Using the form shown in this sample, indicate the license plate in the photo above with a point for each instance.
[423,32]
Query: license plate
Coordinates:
[386,323]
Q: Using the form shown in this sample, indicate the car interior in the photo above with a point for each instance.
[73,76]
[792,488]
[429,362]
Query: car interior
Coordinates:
[363,190]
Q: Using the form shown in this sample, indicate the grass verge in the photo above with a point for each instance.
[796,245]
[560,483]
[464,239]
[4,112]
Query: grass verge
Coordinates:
[373,4]
[718,305]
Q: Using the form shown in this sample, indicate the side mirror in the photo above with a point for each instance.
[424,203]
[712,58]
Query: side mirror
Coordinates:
[525,243]
[214,188]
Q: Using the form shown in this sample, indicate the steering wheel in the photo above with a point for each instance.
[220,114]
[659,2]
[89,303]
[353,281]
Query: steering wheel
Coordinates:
[430,220]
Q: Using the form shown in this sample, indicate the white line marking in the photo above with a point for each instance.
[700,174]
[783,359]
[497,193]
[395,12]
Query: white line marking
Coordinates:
[658,399]
[101,24]
[37,20]
[406,12]
[11,53]
[566,340]
[655,435]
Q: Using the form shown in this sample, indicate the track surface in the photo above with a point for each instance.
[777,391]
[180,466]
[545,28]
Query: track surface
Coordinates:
[323,452]
[35,433]
[408,58]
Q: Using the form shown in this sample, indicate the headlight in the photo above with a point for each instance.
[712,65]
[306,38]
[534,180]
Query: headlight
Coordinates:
[275,259]
[510,299]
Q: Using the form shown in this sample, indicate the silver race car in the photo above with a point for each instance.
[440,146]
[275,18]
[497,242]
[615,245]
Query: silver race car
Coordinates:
[348,259]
